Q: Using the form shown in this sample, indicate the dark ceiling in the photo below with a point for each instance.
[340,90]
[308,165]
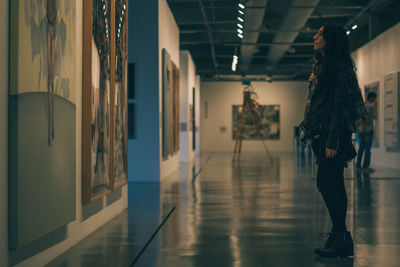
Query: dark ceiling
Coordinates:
[277,41]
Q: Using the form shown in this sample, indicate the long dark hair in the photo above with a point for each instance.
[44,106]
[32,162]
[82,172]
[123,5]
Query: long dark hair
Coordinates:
[336,52]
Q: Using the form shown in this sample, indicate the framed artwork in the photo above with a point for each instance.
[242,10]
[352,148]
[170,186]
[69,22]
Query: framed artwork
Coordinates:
[374,87]
[42,118]
[191,117]
[120,144]
[166,120]
[131,120]
[105,115]
[175,107]
[392,112]
[131,81]
[266,125]
[170,106]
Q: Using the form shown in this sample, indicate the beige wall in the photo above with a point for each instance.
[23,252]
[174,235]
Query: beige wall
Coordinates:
[3,133]
[84,223]
[168,34]
[374,61]
[221,96]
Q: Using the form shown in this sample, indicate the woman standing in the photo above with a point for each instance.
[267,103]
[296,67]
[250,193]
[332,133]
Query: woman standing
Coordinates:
[333,106]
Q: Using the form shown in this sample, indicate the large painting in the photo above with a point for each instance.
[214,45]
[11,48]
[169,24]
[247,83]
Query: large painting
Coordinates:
[374,87]
[264,126]
[166,105]
[175,107]
[42,118]
[120,144]
[170,106]
[392,112]
[104,97]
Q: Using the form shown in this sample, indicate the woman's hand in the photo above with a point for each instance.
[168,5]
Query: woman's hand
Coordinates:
[330,153]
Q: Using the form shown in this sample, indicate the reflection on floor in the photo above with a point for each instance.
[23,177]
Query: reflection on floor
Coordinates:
[246,213]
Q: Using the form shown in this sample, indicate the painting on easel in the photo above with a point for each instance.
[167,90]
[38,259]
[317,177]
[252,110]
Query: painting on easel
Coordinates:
[266,127]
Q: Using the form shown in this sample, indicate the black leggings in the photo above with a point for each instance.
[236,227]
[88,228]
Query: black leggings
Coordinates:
[330,182]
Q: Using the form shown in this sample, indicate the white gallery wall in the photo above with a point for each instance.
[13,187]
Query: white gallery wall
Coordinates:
[3,133]
[89,217]
[217,99]
[169,39]
[375,60]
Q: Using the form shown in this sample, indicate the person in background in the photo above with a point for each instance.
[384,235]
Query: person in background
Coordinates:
[366,134]
[334,105]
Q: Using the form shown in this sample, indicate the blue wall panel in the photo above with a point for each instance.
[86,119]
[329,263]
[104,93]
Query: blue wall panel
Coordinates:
[144,150]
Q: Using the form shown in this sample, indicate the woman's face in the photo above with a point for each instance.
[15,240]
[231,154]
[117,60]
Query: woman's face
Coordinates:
[319,41]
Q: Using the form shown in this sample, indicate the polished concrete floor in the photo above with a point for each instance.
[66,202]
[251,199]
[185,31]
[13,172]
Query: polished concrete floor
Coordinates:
[251,212]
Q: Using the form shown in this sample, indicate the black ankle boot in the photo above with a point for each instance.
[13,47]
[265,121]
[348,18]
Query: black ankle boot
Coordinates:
[337,245]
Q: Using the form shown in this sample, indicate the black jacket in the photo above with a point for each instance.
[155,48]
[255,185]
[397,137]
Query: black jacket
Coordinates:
[332,106]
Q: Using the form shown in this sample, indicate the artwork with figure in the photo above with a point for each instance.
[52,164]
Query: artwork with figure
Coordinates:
[42,120]
[121,95]
[264,125]
[101,86]
[105,97]
[374,87]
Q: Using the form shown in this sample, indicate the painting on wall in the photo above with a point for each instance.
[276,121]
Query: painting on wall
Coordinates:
[131,121]
[131,81]
[170,106]
[166,105]
[374,87]
[175,107]
[42,120]
[392,112]
[267,128]
[120,145]
[104,97]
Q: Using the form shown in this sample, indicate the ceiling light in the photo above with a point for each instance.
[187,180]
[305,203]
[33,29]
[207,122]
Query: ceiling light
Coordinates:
[233,67]
[239,30]
[240,25]
[241,12]
[354,27]
[240,19]
[241,6]
[241,36]
[348,32]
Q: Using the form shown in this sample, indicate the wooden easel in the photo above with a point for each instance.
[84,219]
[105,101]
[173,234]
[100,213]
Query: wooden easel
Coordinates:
[252,107]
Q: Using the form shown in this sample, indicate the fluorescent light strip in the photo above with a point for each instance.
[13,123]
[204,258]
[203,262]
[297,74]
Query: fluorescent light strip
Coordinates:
[241,36]
[241,6]
[234,62]
[354,27]
[241,12]
[239,31]
[348,32]
[240,19]
[240,25]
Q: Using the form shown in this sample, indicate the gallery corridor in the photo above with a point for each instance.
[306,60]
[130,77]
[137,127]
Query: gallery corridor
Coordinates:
[251,212]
